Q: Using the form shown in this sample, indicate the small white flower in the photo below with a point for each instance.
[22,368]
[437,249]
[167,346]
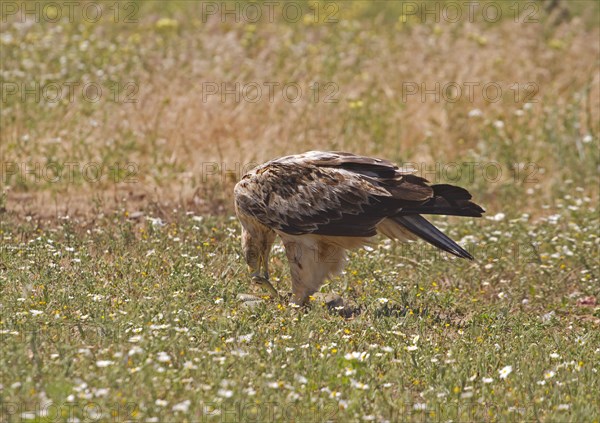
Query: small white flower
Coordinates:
[161,402]
[163,357]
[245,338]
[487,380]
[218,300]
[102,392]
[36,312]
[548,316]
[475,113]
[549,374]
[499,124]
[301,379]
[412,348]
[564,406]
[156,221]
[383,300]
[183,406]
[505,371]
[587,139]
[554,355]
[104,363]
[355,355]
[498,217]
[225,393]
[135,350]
[359,385]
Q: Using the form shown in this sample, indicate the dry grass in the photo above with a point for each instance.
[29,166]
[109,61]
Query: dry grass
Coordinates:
[189,151]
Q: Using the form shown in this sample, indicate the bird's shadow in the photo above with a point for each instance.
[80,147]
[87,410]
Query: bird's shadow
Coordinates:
[350,309]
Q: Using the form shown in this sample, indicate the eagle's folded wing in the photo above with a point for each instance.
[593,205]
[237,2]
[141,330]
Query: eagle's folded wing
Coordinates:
[329,193]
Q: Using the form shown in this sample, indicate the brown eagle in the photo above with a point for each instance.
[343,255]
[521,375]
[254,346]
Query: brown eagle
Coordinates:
[322,203]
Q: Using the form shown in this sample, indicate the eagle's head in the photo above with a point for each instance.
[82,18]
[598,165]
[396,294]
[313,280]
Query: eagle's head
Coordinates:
[257,240]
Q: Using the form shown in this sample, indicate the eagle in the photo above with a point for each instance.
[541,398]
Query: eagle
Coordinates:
[323,203]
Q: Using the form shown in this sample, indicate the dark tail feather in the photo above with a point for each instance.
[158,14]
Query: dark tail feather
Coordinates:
[425,230]
[447,200]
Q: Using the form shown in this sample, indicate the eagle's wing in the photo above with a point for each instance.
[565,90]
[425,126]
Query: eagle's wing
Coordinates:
[329,193]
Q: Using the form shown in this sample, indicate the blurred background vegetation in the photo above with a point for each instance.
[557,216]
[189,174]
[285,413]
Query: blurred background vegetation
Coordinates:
[158,135]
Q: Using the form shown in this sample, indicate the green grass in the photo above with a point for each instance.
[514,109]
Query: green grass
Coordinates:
[106,315]
[157,305]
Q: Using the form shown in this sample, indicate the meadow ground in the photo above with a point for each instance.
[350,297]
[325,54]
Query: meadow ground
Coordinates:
[120,260]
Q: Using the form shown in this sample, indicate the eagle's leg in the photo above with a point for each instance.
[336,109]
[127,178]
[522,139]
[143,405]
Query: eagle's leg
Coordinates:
[261,275]
[311,262]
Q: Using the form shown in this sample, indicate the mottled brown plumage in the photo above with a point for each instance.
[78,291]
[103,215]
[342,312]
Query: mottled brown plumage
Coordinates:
[322,203]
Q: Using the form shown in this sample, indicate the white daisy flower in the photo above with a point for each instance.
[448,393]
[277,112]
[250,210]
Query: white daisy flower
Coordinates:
[505,371]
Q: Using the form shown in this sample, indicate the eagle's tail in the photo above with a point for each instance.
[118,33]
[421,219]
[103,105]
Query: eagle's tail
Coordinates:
[421,227]
[447,200]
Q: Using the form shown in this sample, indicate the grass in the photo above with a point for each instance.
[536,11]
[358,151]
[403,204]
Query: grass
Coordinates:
[158,132]
[136,318]
[120,260]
